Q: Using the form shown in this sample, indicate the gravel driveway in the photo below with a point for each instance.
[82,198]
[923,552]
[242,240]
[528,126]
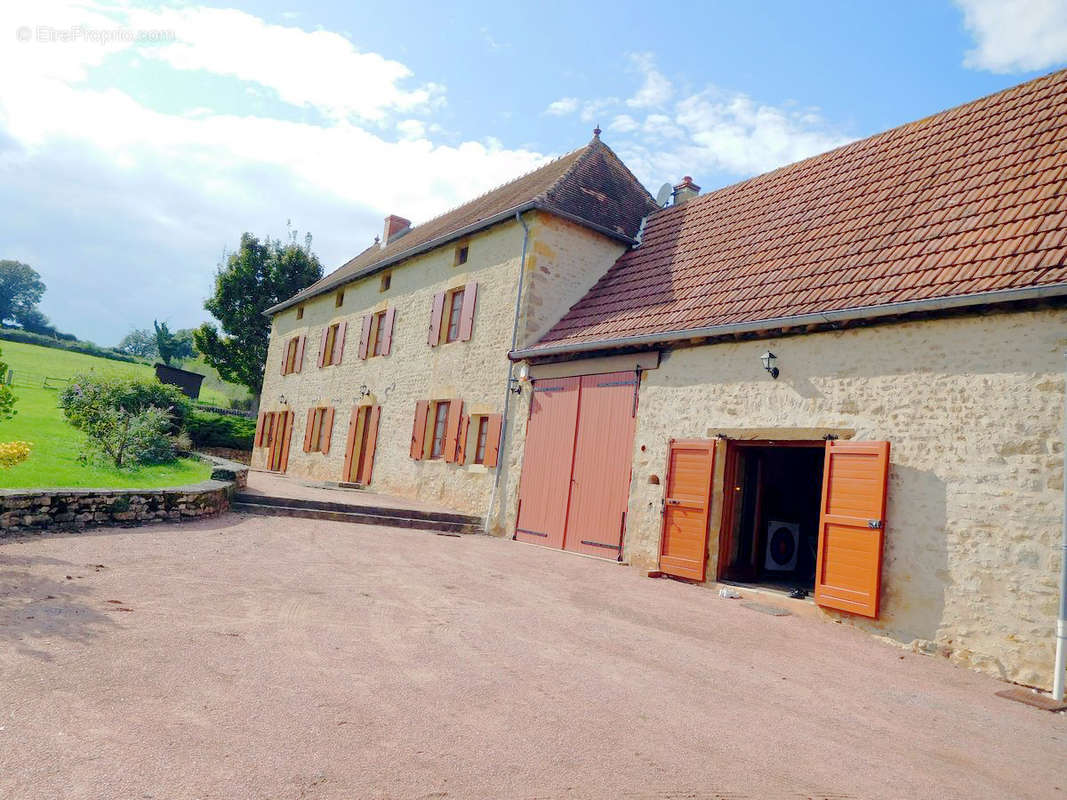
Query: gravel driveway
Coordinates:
[253,657]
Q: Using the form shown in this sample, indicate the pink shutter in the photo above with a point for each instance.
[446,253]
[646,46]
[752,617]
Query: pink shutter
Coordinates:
[285,357]
[308,429]
[327,423]
[492,440]
[455,414]
[466,315]
[364,336]
[435,319]
[339,343]
[298,363]
[387,334]
[418,430]
[322,346]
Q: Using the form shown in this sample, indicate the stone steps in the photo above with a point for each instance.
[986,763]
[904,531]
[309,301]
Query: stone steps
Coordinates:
[445,522]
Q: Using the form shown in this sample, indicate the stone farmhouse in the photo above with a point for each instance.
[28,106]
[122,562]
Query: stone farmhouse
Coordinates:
[841,381]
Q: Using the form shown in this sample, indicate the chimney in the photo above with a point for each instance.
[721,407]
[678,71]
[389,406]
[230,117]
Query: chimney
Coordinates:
[686,190]
[395,227]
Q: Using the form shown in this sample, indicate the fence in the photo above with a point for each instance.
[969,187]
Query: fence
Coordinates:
[34,380]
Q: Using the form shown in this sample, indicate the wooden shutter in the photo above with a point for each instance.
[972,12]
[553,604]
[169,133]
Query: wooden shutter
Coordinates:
[364,336]
[455,413]
[852,526]
[683,548]
[418,432]
[298,363]
[466,314]
[285,357]
[495,422]
[435,319]
[327,423]
[339,342]
[309,428]
[367,456]
[259,428]
[286,434]
[461,442]
[322,346]
[350,444]
[387,332]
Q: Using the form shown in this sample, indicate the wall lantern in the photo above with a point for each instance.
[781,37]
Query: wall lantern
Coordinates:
[768,360]
[282,400]
[515,384]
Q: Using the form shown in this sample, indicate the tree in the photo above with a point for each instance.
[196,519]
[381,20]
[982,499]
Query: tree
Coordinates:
[256,277]
[7,398]
[167,344]
[139,342]
[21,288]
[33,320]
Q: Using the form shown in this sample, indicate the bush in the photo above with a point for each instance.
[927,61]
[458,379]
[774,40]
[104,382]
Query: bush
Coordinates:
[217,430]
[12,453]
[127,420]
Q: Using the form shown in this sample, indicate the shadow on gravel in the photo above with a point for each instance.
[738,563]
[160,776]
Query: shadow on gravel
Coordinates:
[44,598]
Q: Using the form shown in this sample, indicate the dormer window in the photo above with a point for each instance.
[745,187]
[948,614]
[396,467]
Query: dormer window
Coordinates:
[461,254]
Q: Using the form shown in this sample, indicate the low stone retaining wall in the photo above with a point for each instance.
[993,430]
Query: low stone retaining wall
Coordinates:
[24,510]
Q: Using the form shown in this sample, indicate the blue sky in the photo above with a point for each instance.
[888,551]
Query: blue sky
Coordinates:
[138,140]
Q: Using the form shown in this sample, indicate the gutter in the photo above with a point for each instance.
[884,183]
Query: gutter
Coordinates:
[511,367]
[458,233]
[755,326]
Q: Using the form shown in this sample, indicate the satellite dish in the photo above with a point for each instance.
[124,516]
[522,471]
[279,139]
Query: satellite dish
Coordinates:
[663,195]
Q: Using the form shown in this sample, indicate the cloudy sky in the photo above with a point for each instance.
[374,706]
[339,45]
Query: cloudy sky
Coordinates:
[138,140]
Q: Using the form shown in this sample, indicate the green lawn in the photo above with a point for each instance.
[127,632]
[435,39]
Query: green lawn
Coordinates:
[53,461]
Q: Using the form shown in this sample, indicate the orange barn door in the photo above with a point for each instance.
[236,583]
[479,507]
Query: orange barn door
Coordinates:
[852,526]
[544,488]
[603,454]
[686,506]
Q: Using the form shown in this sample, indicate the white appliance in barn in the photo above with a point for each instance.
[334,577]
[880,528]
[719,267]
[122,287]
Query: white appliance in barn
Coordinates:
[783,545]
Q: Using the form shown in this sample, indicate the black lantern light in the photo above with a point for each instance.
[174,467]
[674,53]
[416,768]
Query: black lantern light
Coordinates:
[768,360]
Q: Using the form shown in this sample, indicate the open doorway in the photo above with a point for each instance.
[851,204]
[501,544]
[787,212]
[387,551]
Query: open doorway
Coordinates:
[771,527]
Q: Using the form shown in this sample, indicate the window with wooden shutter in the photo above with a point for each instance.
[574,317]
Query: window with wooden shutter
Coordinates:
[461,441]
[324,346]
[387,331]
[364,335]
[440,427]
[436,311]
[377,334]
[466,320]
[260,425]
[309,428]
[319,430]
[452,425]
[494,425]
[454,305]
[338,351]
[294,355]
[418,430]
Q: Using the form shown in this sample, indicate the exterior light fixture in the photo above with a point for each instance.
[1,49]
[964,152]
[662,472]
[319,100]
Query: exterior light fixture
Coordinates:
[282,400]
[768,360]
[515,384]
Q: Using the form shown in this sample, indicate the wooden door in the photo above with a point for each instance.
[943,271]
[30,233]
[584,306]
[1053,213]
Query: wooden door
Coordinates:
[686,506]
[544,488]
[603,455]
[852,526]
[278,457]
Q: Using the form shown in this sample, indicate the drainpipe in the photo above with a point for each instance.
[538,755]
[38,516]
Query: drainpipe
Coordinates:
[511,365]
[1061,623]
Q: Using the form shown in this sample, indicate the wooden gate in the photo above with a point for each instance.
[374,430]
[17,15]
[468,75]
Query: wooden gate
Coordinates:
[687,504]
[852,526]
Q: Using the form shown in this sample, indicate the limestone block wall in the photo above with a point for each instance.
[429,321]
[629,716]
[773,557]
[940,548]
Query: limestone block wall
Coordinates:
[972,407]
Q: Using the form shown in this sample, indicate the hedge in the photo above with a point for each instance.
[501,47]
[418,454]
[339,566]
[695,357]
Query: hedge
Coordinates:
[215,430]
[86,348]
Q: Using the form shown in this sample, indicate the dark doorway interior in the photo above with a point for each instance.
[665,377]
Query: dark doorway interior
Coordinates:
[772,529]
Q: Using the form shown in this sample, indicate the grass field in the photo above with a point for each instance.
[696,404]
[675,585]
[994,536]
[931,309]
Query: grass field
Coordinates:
[53,461]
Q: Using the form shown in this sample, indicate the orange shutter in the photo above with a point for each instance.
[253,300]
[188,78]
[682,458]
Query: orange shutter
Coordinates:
[350,443]
[852,526]
[367,457]
[418,432]
[285,357]
[328,424]
[308,429]
[364,335]
[387,333]
[258,439]
[339,343]
[299,361]
[466,314]
[287,434]
[492,439]
[686,505]
[461,443]
[435,319]
[455,412]
[322,346]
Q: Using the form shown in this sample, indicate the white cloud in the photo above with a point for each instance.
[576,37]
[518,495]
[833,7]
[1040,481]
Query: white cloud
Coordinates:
[562,107]
[656,90]
[1019,36]
[623,123]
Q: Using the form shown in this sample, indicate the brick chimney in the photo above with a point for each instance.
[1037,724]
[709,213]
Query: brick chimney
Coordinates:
[395,227]
[685,190]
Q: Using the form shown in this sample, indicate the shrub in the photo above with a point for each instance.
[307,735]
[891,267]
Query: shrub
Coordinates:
[217,430]
[127,420]
[12,453]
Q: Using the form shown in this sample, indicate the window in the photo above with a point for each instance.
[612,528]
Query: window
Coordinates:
[387,281]
[294,355]
[319,430]
[299,312]
[339,299]
[377,332]
[333,344]
[455,311]
[461,254]
[331,339]
[440,421]
[483,435]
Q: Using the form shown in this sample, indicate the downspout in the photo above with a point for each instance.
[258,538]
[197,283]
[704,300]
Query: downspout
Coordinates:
[511,365]
[1061,623]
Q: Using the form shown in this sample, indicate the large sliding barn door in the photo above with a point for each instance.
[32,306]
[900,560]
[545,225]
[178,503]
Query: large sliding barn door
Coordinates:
[852,526]
[575,481]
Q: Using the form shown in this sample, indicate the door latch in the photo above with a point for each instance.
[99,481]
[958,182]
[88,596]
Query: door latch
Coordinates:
[874,524]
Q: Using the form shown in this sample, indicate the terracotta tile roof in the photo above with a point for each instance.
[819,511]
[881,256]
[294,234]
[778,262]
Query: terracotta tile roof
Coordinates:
[590,185]
[967,201]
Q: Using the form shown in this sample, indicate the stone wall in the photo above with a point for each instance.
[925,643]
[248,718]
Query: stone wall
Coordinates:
[973,409]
